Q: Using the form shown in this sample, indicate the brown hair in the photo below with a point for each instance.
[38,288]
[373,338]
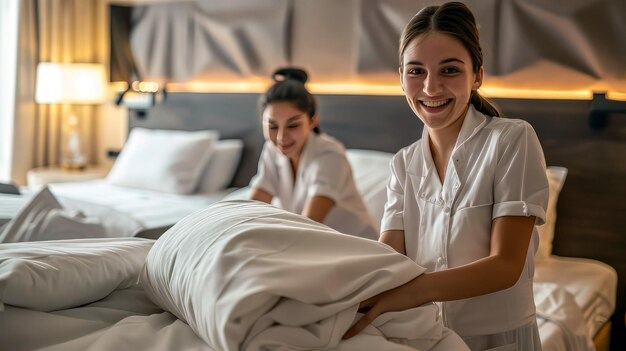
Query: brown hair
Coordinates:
[456,20]
[289,87]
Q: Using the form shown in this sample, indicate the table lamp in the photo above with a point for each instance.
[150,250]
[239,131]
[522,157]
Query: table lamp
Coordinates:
[72,84]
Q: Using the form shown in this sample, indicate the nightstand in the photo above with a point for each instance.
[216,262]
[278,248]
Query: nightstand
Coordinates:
[38,177]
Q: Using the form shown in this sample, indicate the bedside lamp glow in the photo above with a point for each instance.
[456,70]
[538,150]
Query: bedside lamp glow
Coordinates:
[71,83]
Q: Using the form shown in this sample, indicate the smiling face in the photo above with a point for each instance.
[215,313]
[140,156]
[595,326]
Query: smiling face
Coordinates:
[287,127]
[437,79]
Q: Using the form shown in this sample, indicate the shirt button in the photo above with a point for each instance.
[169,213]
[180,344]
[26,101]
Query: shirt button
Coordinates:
[439,260]
[446,209]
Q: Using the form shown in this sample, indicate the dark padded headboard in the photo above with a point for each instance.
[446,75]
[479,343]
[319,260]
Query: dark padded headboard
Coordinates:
[592,204]
[365,122]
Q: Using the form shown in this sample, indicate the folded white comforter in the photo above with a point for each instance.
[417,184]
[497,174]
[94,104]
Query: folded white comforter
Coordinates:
[248,276]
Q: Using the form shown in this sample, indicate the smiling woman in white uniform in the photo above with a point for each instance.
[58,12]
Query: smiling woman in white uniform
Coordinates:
[302,170]
[464,200]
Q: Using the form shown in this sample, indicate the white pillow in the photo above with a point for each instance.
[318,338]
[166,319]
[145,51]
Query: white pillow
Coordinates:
[163,160]
[52,275]
[221,167]
[371,172]
[556,179]
[44,218]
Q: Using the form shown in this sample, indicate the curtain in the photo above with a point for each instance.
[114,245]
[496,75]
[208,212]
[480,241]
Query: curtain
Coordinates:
[8,63]
[53,31]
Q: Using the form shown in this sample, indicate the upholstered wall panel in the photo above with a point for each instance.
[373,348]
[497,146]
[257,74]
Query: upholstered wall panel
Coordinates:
[559,44]
[380,25]
[205,40]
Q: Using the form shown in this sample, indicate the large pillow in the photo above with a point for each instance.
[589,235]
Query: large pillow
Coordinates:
[52,275]
[44,218]
[163,160]
[371,172]
[221,167]
[556,179]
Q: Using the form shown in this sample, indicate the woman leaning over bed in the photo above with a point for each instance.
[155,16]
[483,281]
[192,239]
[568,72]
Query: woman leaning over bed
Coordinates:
[303,170]
[463,201]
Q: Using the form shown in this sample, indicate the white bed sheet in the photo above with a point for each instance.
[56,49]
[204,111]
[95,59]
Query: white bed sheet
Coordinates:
[128,320]
[10,205]
[587,290]
[150,208]
[125,320]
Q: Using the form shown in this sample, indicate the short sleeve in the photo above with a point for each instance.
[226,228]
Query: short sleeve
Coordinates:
[520,184]
[267,174]
[393,217]
[327,174]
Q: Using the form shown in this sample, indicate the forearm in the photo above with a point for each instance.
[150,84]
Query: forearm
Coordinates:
[500,270]
[484,276]
[260,195]
[318,207]
[395,239]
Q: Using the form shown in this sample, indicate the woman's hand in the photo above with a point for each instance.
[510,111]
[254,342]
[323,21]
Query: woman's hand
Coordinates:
[397,299]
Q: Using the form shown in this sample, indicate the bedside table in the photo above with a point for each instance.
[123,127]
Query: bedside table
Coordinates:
[38,177]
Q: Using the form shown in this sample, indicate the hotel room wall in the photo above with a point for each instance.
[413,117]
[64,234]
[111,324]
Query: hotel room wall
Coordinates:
[527,44]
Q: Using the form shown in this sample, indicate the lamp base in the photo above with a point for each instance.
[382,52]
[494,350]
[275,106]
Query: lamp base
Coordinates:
[73,157]
[73,167]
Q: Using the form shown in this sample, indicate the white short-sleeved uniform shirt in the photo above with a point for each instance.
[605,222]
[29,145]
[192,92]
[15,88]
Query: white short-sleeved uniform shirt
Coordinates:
[497,168]
[323,170]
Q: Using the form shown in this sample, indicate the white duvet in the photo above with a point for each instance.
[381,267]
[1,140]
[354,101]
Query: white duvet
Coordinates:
[560,319]
[248,276]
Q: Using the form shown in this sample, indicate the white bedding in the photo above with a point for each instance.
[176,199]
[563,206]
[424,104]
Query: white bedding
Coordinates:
[583,288]
[124,320]
[247,275]
[10,205]
[151,208]
[120,211]
[127,320]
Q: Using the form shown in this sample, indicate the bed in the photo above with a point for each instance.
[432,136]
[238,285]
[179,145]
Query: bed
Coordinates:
[160,177]
[578,272]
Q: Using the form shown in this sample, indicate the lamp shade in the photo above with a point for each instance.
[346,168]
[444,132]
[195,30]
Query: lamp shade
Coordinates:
[70,83]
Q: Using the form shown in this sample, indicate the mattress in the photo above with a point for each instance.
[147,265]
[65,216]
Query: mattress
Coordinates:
[588,284]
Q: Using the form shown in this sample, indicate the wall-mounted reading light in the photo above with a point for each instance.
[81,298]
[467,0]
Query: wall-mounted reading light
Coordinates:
[601,108]
[141,95]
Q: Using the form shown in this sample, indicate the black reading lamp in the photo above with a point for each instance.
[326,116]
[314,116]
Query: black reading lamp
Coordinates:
[601,108]
[141,96]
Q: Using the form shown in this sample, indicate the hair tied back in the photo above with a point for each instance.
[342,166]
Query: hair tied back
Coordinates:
[290,73]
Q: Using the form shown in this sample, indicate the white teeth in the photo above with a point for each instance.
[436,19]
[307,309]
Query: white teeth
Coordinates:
[435,103]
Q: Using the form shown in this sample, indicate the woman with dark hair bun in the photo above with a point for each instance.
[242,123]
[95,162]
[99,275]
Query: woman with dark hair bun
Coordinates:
[301,169]
[464,200]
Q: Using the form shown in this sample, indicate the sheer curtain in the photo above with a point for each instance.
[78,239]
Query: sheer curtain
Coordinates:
[55,31]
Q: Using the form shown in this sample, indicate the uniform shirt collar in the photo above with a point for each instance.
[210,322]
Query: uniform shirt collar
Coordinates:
[473,122]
